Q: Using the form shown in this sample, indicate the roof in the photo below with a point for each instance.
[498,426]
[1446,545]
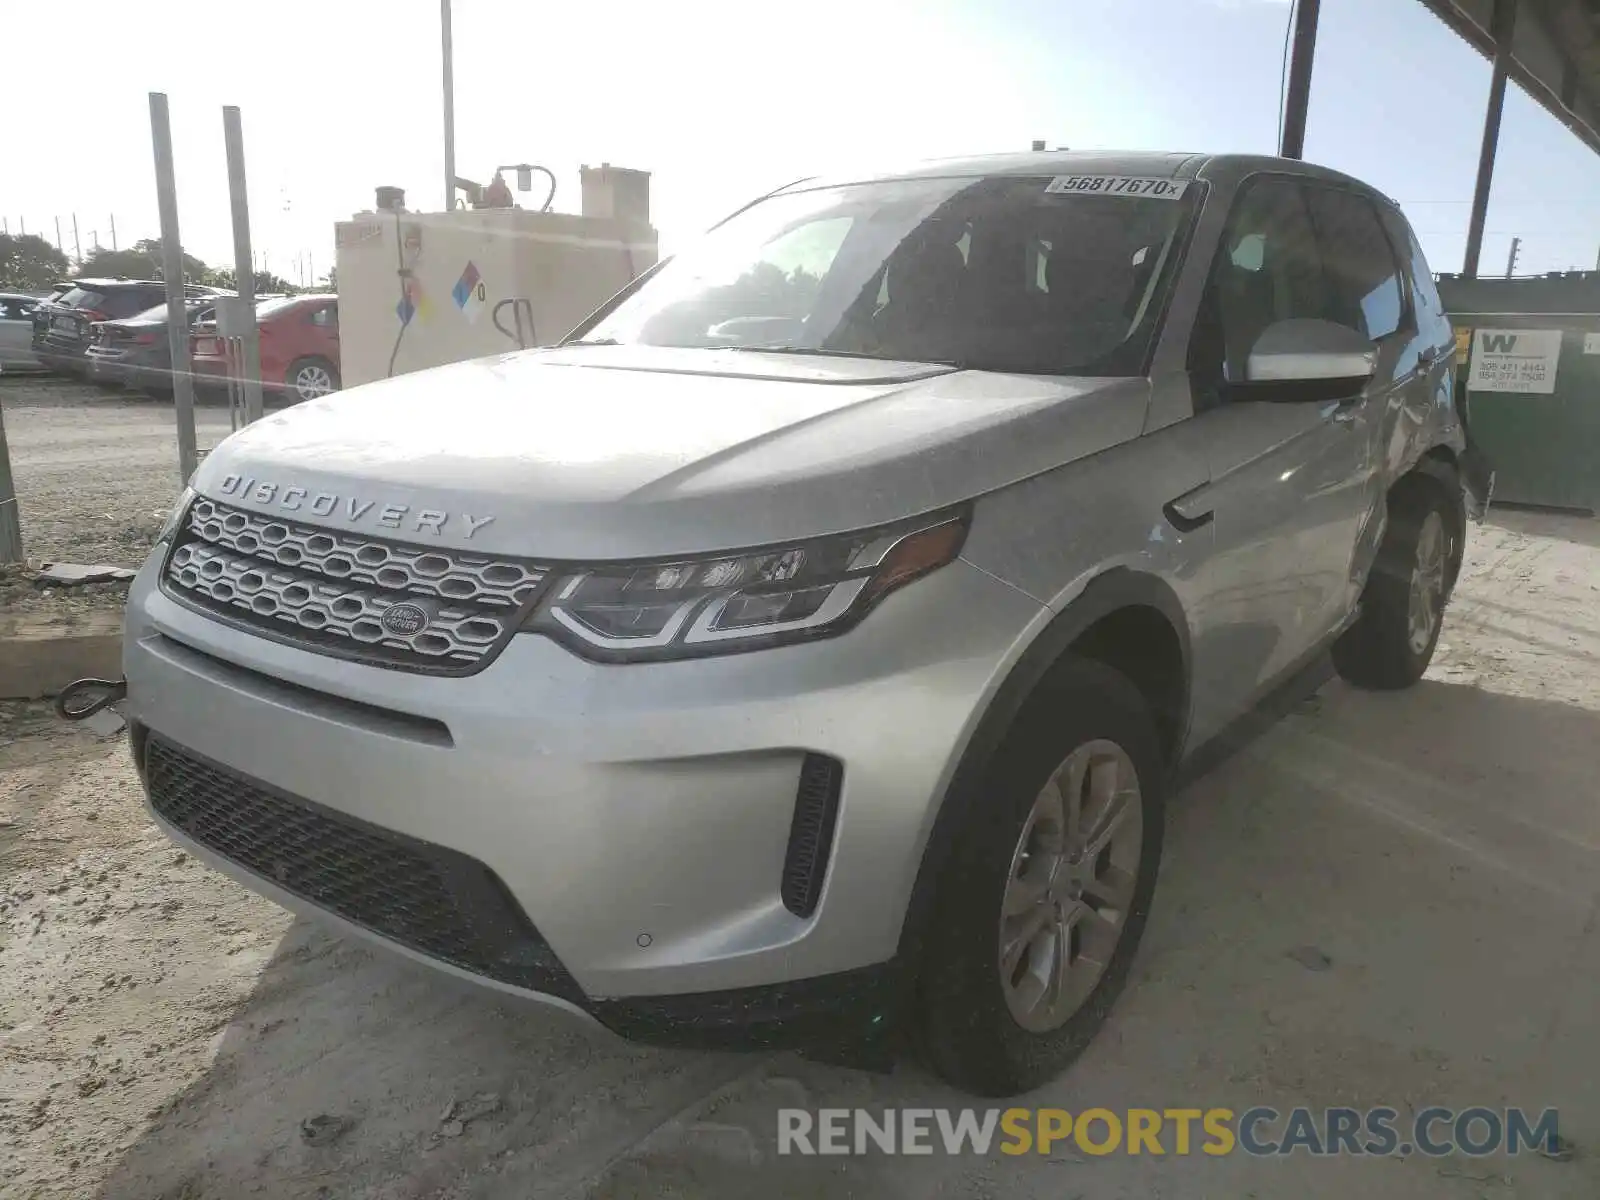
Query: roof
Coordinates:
[1147,163]
[1555,54]
[1567,292]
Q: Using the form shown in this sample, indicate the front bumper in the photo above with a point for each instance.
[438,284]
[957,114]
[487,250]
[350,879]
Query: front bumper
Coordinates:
[639,816]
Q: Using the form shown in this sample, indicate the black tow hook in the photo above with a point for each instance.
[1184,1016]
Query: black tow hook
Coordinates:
[84,697]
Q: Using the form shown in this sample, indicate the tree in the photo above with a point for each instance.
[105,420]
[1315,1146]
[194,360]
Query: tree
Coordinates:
[266,282]
[330,282]
[142,260]
[28,263]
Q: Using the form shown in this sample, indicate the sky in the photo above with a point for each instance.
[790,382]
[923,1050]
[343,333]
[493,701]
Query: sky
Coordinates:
[723,100]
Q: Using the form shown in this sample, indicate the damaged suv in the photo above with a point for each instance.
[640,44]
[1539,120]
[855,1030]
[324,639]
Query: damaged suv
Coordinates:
[805,646]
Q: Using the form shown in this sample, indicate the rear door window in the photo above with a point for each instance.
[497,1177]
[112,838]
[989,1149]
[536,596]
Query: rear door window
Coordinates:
[81,298]
[126,302]
[1425,301]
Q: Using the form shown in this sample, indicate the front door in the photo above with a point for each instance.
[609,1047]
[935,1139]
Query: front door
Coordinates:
[1290,482]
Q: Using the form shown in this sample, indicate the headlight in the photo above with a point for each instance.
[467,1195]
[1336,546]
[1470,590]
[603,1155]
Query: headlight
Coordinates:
[169,527]
[742,601]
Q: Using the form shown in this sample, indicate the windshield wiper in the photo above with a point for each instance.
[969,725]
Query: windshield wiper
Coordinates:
[592,342]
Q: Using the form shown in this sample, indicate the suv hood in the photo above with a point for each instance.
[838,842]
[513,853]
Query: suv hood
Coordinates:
[628,452]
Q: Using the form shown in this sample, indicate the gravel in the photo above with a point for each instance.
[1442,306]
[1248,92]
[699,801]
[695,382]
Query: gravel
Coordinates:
[95,473]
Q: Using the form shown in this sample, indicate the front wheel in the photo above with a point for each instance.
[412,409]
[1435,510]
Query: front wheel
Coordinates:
[309,378]
[1044,902]
[1402,608]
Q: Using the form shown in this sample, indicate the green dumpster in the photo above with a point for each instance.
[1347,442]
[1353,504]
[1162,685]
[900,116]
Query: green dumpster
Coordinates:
[1530,377]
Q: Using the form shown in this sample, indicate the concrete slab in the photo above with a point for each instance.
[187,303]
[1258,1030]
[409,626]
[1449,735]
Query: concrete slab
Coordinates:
[74,574]
[39,656]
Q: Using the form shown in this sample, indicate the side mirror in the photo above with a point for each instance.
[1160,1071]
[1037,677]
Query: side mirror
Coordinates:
[1308,359]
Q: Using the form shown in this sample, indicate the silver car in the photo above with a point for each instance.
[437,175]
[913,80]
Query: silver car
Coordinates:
[802,650]
[16,330]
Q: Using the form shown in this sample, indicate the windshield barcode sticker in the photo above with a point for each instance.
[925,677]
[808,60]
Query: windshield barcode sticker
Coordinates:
[1118,185]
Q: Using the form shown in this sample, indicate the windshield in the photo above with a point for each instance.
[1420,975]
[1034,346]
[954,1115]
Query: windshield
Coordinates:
[78,297]
[998,273]
[198,307]
[266,308]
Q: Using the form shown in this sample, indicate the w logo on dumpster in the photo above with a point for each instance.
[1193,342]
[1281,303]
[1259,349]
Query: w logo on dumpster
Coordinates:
[1499,343]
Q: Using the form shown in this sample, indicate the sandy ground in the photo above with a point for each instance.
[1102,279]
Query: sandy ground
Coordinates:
[164,1033]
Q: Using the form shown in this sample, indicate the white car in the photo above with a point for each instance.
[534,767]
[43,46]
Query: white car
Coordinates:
[16,330]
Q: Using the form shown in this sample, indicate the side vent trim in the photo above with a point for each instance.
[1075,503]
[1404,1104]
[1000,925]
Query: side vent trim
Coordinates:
[816,809]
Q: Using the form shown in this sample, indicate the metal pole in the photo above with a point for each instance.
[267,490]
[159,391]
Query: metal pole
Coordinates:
[449,106]
[59,246]
[1299,90]
[1511,259]
[244,276]
[113,231]
[1501,23]
[172,274]
[10,523]
[77,247]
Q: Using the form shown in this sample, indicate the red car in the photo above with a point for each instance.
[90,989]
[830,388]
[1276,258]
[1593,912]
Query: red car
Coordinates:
[299,347]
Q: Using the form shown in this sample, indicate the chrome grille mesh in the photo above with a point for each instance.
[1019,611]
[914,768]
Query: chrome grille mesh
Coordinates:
[331,591]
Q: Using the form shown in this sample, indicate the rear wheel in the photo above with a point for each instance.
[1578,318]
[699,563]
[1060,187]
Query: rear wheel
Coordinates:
[1402,610]
[308,378]
[1043,905]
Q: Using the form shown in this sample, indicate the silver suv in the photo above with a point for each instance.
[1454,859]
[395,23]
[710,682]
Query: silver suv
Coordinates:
[803,648]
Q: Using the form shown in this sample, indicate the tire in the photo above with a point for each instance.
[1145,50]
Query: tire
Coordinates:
[1402,608]
[975,1033]
[309,378]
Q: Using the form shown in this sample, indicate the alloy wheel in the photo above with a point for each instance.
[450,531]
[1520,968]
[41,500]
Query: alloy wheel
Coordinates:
[1071,885]
[1427,584]
[311,381]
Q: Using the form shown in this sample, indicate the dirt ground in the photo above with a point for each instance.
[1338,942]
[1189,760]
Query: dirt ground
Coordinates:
[95,473]
[164,1033]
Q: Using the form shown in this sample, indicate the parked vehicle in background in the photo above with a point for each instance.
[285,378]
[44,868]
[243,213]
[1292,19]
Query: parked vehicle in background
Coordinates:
[72,316]
[299,347]
[16,330]
[136,352]
[46,306]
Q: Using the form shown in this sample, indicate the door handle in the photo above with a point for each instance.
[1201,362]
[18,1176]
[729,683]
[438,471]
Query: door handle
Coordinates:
[1185,514]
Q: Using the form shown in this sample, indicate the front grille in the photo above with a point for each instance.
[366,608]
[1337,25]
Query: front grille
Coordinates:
[434,900]
[337,592]
[816,809]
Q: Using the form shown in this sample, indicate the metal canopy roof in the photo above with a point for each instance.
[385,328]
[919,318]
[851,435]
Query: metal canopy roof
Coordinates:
[1555,53]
